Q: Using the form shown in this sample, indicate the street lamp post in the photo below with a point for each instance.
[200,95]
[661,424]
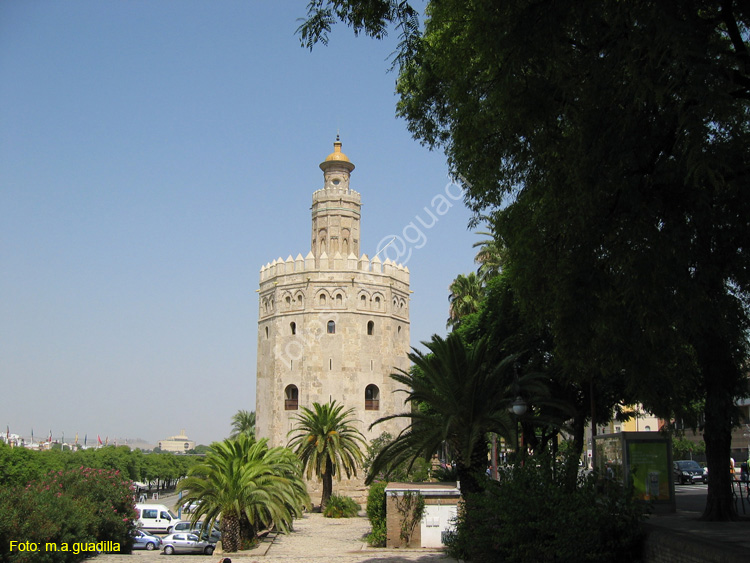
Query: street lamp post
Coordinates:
[519,408]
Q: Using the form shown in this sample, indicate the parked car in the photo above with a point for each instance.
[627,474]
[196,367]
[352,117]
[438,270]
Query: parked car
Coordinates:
[145,540]
[688,471]
[215,532]
[182,527]
[186,543]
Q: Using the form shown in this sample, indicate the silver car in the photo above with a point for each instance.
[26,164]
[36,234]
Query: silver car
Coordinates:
[186,543]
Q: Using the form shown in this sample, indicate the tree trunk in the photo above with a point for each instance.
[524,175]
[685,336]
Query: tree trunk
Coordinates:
[719,375]
[230,532]
[468,473]
[327,478]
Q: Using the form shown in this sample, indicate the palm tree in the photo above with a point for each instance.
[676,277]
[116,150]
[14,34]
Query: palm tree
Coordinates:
[458,395]
[249,486]
[490,256]
[243,423]
[466,295]
[328,444]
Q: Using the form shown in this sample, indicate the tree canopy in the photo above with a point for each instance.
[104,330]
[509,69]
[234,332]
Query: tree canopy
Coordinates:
[608,144]
[249,486]
[329,444]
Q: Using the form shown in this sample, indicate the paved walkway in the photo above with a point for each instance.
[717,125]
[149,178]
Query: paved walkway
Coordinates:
[315,539]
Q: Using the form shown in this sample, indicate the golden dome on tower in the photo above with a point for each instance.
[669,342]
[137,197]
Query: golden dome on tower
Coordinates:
[337,160]
[337,154]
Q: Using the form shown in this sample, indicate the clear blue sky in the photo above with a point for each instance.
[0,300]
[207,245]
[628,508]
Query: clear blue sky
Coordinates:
[153,156]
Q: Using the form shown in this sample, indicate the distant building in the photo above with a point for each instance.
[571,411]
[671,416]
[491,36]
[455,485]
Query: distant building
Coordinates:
[177,444]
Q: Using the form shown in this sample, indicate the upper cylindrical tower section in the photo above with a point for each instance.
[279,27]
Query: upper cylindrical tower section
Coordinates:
[335,209]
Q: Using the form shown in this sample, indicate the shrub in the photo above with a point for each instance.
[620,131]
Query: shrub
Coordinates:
[534,513]
[376,514]
[340,507]
[66,508]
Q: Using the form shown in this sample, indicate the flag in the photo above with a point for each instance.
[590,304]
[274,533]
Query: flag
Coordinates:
[32,435]
[50,436]
[106,441]
[76,437]
[7,433]
[85,439]
[99,440]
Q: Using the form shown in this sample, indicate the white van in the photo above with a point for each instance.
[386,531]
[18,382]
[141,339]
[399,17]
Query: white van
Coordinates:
[155,518]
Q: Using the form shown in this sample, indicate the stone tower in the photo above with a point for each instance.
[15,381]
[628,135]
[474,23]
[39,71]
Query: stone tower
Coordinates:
[332,324]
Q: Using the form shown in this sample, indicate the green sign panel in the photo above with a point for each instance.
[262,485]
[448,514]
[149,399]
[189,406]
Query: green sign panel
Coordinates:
[649,466]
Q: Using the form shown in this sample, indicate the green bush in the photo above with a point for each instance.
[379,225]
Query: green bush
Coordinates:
[535,513]
[376,514]
[67,509]
[340,507]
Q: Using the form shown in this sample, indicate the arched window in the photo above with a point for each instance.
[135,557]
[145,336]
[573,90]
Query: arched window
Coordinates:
[291,398]
[322,298]
[331,329]
[363,300]
[266,332]
[339,300]
[377,303]
[372,398]
[288,301]
[293,326]
[370,328]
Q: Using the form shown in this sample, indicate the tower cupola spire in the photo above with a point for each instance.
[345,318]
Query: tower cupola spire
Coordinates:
[335,209]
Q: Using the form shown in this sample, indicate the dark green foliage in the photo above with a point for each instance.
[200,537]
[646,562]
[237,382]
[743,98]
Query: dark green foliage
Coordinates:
[417,473]
[64,508]
[609,143]
[18,466]
[532,514]
[462,392]
[376,514]
[682,448]
[340,507]
[109,495]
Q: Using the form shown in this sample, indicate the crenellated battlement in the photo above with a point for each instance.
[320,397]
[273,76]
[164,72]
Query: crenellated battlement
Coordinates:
[337,263]
[334,193]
